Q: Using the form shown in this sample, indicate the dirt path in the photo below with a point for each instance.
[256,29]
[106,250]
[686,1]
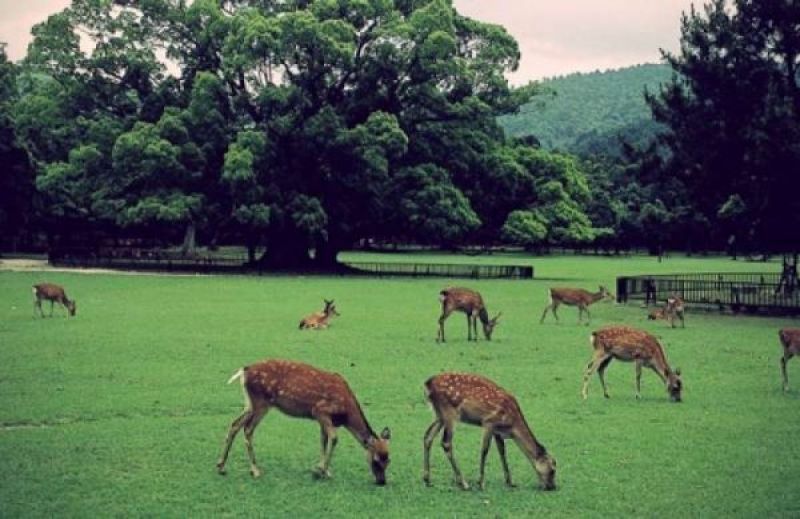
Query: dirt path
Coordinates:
[36,265]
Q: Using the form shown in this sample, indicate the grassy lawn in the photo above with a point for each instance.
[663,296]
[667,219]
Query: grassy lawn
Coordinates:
[122,410]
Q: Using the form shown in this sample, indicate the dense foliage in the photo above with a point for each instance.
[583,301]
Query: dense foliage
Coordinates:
[734,118]
[303,125]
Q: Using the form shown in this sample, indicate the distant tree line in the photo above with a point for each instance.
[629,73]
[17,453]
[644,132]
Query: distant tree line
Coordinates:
[316,124]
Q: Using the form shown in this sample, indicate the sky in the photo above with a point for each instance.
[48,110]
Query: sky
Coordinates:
[556,37]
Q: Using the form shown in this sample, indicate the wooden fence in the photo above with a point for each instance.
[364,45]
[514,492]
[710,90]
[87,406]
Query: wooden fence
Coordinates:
[749,292]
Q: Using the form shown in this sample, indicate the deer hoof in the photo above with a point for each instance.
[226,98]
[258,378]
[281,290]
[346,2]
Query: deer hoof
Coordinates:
[255,472]
[221,470]
[481,485]
[320,473]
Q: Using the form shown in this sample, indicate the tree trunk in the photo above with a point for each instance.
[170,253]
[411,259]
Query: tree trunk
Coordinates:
[189,247]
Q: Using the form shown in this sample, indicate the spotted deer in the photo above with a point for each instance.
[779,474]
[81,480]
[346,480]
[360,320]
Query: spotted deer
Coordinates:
[575,297]
[54,294]
[319,320]
[476,400]
[630,345]
[303,391]
[790,339]
[675,307]
[471,303]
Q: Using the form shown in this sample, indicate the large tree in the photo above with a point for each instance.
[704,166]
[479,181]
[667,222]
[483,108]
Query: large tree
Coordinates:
[733,114]
[294,124]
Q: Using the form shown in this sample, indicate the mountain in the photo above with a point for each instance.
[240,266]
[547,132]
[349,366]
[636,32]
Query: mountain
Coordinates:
[586,113]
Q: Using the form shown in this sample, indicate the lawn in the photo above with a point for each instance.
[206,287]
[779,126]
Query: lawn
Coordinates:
[122,410]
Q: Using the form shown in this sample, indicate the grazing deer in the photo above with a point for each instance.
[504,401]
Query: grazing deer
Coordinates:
[320,320]
[790,338]
[477,400]
[629,344]
[657,313]
[53,293]
[575,297]
[471,303]
[302,391]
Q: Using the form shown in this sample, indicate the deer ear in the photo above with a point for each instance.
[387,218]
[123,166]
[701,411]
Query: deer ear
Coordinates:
[678,372]
[386,433]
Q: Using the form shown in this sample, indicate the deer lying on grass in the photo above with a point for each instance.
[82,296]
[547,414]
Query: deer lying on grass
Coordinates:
[790,339]
[302,391]
[674,307]
[320,320]
[629,344]
[54,294]
[471,303]
[477,400]
[575,297]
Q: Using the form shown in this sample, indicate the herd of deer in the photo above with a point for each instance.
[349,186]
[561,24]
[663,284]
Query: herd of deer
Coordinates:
[303,391]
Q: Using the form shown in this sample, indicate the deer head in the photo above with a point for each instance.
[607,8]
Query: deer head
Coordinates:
[605,294]
[674,385]
[489,326]
[72,307]
[330,308]
[546,470]
[378,455]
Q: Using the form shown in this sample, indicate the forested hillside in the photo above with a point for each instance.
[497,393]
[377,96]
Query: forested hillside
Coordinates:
[584,113]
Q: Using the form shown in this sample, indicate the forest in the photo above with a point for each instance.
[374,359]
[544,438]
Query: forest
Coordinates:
[316,125]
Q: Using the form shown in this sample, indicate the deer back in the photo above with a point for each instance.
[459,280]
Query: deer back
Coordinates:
[790,338]
[470,398]
[463,299]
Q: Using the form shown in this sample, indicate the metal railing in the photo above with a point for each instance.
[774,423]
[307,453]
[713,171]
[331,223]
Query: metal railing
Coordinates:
[738,291]
[443,270]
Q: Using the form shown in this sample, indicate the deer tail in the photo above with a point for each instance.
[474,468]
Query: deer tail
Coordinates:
[238,375]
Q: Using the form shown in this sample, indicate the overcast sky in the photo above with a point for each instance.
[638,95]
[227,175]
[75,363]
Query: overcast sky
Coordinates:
[555,36]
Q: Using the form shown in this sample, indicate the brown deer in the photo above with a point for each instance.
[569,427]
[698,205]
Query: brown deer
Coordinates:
[674,307]
[53,293]
[303,391]
[629,344]
[471,303]
[575,297]
[319,320]
[790,338]
[477,400]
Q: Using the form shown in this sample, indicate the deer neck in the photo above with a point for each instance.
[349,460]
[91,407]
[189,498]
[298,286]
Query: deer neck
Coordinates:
[359,427]
[597,296]
[528,444]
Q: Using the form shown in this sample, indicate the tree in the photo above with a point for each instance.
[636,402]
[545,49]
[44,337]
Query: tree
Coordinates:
[733,114]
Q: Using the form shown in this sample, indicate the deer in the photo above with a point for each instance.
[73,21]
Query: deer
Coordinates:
[319,320]
[790,339]
[471,303]
[476,400]
[575,297]
[675,307]
[303,391]
[630,345]
[53,293]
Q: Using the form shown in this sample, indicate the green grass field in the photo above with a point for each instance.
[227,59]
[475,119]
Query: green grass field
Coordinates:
[122,410]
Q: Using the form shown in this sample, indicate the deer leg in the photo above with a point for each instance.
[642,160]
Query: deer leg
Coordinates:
[249,427]
[469,327]
[638,379]
[588,316]
[37,303]
[233,430]
[51,307]
[475,327]
[501,450]
[442,318]
[331,439]
[486,443]
[601,370]
[323,443]
[555,313]
[447,445]
[544,314]
[598,357]
[784,360]
[430,434]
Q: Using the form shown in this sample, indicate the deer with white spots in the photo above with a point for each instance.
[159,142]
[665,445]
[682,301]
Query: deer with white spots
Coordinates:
[575,297]
[630,345]
[790,339]
[476,400]
[319,320]
[471,303]
[53,293]
[303,391]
